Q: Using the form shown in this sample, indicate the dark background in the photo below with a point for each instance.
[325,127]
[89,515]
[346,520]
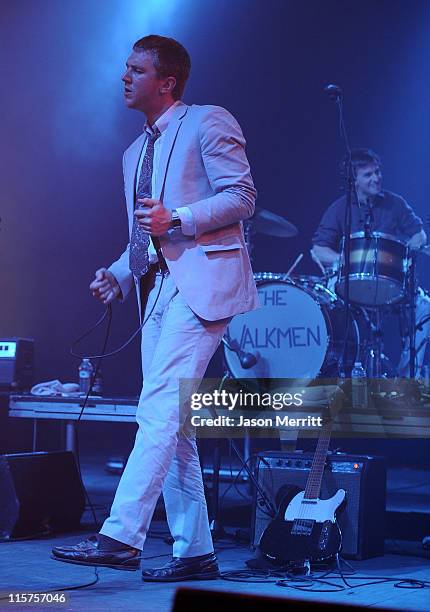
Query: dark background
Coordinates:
[64,127]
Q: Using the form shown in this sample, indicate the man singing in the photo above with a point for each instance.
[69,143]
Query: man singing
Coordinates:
[187,187]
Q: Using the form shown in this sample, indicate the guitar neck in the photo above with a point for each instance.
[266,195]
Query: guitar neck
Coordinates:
[313,485]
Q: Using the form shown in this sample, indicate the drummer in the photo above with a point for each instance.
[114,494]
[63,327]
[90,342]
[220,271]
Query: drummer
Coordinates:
[381,210]
[374,210]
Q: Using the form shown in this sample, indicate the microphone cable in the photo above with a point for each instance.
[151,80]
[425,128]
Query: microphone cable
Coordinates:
[107,313]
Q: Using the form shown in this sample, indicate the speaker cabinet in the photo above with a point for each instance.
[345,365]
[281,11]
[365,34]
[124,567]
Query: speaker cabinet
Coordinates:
[39,493]
[361,518]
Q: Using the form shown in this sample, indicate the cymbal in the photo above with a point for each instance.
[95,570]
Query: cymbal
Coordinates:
[267,222]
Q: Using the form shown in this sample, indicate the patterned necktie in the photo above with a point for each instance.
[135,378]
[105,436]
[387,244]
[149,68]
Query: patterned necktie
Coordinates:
[139,241]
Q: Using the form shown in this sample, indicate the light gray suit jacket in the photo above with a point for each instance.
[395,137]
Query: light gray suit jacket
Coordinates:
[203,166]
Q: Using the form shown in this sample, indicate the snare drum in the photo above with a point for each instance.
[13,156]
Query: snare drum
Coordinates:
[378,267]
[297,333]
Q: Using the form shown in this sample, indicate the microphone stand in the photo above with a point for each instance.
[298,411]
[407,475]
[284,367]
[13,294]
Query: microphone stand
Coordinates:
[368,221]
[216,527]
[412,322]
[335,94]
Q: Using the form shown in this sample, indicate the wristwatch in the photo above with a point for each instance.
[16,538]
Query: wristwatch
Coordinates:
[176,221]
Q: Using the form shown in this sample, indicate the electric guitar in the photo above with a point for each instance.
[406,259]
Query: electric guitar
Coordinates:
[305,527]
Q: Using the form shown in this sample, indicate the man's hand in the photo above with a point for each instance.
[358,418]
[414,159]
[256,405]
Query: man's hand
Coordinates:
[418,240]
[324,255]
[154,218]
[105,286]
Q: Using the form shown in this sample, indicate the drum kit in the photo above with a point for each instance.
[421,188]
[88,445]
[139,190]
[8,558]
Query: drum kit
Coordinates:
[300,331]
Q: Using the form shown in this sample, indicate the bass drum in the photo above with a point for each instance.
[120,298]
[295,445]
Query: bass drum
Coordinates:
[298,333]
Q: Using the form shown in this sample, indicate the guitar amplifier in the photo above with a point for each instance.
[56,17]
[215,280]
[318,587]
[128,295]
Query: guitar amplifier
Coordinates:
[361,518]
[16,363]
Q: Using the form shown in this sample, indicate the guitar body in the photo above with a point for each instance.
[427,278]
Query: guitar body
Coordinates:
[303,529]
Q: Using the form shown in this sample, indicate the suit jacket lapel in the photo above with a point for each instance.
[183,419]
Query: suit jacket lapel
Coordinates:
[167,147]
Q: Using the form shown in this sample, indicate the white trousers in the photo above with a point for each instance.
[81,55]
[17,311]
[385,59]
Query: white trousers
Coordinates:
[176,344]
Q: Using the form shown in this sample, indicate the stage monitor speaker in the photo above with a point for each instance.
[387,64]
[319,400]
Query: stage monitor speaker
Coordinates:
[361,518]
[39,493]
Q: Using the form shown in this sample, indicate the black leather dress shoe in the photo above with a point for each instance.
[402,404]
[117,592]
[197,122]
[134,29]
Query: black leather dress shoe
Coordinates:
[200,568]
[89,553]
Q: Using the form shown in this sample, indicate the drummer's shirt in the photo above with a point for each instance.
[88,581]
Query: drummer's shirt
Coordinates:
[391,215]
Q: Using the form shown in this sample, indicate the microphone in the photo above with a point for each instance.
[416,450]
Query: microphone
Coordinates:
[247,360]
[334,92]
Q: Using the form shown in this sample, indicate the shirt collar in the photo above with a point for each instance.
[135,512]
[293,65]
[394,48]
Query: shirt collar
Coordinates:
[379,196]
[162,122]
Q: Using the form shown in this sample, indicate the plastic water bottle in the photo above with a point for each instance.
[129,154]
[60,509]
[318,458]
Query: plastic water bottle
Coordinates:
[359,386]
[85,374]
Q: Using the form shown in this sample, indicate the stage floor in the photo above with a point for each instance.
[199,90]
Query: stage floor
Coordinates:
[26,565]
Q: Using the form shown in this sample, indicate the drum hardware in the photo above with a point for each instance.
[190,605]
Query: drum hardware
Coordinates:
[425,249]
[414,295]
[270,224]
[375,355]
[375,362]
[298,333]
[265,222]
[420,327]
[247,360]
[379,274]
[378,269]
[309,280]
[408,307]
[269,276]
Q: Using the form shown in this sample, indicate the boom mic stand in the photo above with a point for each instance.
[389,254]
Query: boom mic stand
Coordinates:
[216,526]
[412,322]
[335,94]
